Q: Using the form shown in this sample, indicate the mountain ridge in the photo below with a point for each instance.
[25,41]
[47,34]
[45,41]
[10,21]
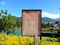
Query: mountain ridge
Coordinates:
[46,19]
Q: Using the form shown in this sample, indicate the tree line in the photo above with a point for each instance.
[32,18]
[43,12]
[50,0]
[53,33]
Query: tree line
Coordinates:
[47,25]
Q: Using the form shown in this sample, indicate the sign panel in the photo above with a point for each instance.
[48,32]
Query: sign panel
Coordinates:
[31,24]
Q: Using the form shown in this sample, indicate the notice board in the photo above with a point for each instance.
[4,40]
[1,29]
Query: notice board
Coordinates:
[31,22]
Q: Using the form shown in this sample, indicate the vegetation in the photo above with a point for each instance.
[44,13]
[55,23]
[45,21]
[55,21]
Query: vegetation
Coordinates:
[49,27]
[8,22]
[46,25]
[19,40]
[19,21]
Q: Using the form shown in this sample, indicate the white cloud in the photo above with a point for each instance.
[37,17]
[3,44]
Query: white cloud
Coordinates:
[50,15]
[2,3]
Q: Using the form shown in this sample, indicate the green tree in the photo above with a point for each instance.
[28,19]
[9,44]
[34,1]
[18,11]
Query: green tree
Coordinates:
[43,25]
[19,21]
[7,23]
[6,12]
[2,11]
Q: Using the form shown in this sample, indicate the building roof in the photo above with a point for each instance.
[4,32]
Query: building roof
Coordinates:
[58,23]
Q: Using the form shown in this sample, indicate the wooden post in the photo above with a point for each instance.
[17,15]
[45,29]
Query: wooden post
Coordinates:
[36,39]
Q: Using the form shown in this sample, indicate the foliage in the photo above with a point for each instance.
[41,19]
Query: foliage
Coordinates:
[46,25]
[19,40]
[7,22]
[19,21]
[57,29]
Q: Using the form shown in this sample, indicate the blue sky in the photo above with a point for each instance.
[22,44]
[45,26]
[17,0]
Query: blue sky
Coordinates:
[50,8]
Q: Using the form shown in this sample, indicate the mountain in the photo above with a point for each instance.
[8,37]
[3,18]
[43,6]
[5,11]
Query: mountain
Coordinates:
[46,19]
[58,19]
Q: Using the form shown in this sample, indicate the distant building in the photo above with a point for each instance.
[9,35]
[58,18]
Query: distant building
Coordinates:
[57,24]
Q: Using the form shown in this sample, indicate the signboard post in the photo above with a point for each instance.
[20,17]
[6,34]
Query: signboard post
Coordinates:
[31,23]
[36,39]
